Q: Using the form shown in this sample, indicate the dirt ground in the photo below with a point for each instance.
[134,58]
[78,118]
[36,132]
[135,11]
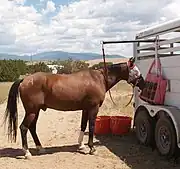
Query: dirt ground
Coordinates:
[58,132]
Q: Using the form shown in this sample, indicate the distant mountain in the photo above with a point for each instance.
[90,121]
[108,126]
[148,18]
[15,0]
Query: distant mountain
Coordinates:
[9,56]
[55,55]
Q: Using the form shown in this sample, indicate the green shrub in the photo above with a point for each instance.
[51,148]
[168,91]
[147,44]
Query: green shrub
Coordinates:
[70,65]
[100,65]
[38,67]
[10,70]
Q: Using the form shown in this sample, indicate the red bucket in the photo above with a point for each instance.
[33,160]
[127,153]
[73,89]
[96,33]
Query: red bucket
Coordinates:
[120,125]
[102,125]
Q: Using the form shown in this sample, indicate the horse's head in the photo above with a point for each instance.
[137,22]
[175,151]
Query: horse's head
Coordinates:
[135,76]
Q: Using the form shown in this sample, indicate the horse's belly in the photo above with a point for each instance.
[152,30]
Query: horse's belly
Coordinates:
[65,105]
[66,100]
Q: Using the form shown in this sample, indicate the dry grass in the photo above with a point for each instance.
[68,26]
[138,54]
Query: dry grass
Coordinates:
[4,90]
[121,94]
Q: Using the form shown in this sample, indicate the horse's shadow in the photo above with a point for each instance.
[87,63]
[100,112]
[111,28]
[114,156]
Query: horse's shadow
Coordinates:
[16,152]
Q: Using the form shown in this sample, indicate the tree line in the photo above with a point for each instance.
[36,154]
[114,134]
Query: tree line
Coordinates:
[10,70]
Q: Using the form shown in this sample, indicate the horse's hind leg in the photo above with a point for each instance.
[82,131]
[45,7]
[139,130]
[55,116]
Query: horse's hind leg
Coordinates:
[32,129]
[27,121]
[84,120]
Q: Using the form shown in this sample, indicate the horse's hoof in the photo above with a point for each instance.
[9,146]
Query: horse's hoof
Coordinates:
[28,156]
[93,151]
[82,147]
[40,150]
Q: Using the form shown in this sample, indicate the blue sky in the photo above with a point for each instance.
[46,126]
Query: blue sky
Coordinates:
[32,26]
[57,2]
[39,4]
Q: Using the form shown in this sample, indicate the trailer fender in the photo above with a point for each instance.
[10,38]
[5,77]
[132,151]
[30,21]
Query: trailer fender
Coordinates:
[173,113]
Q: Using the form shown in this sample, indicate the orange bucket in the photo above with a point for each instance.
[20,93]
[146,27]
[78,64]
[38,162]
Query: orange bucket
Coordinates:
[102,125]
[120,124]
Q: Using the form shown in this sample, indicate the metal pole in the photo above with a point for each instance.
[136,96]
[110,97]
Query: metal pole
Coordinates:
[128,41]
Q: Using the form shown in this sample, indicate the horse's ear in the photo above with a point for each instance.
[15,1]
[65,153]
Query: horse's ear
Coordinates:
[131,61]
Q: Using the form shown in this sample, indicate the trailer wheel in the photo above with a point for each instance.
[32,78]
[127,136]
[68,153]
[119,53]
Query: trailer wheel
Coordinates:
[144,127]
[165,137]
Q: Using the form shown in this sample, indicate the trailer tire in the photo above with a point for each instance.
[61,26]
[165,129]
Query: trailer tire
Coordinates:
[165,137]
[144,128]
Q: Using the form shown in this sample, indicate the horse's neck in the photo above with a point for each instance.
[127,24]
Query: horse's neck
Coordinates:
[116,74]
[112,81]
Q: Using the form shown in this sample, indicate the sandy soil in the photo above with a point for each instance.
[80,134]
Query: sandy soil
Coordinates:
[58,132]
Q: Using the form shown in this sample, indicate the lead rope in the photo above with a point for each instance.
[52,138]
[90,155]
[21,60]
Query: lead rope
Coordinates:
[106,73]
[131,96]
[106,77]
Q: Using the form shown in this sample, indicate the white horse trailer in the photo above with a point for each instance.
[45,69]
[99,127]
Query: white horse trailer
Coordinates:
[160,124]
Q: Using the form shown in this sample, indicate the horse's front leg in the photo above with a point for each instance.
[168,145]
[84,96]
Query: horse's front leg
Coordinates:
[92,113]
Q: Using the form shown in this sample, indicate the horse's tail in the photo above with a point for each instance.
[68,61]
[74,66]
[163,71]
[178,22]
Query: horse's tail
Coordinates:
[11,113]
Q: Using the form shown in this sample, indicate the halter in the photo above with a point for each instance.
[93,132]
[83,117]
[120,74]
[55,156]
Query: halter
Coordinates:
[132,85]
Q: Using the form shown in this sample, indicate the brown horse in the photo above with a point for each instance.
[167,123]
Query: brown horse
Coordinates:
[83,90]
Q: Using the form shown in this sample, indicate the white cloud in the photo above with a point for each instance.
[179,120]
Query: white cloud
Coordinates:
[50,7]
[79,26]
[172,9]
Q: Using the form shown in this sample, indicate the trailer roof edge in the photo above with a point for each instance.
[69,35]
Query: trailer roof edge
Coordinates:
[159,28]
